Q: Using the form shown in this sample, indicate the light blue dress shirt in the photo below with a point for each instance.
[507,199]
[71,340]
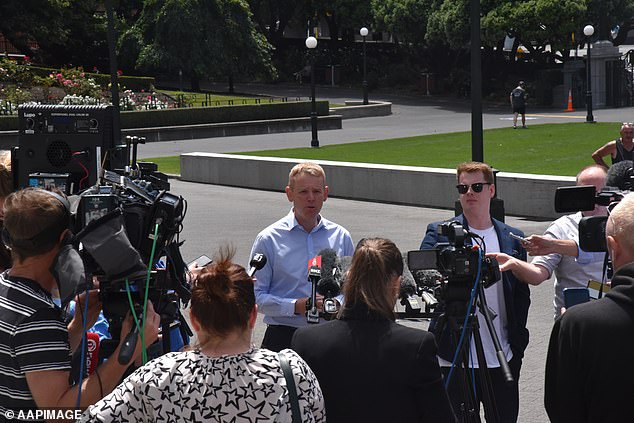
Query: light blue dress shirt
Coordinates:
[284,279]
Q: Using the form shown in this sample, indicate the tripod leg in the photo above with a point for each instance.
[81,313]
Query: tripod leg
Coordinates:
[461,386]
[486,384]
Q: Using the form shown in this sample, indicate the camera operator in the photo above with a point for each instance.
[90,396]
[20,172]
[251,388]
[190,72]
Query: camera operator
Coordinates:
[508,298]
[558,249]
[589,368]
[370,368]
[282,288]
[36,352]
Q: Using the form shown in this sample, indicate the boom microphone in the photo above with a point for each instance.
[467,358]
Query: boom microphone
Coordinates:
[619,175]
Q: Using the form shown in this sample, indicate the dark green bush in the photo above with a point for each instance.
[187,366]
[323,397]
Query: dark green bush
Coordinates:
[201,115]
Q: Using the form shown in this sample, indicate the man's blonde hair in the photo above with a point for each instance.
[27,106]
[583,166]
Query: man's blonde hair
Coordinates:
[307,167]
[473,167]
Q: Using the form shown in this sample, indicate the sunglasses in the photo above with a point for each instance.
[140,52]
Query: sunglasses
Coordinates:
[477,187]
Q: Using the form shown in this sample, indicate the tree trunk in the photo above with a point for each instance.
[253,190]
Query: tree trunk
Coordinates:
[195,83]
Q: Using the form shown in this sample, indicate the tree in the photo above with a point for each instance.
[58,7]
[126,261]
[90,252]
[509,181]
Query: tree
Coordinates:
[203,38]
[405,19]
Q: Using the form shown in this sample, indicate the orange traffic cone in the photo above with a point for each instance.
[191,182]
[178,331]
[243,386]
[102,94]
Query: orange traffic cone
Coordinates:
[569,108]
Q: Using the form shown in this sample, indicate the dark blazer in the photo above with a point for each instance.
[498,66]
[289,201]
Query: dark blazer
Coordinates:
[516,292]
[589,368]
[372,369]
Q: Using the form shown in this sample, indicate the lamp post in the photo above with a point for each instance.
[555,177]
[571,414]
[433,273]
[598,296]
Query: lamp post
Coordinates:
[588,30]
[364,33]
[311,44]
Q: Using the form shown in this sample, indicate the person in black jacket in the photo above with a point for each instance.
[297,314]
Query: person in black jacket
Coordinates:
[589,367]
[370,368]
[509,298]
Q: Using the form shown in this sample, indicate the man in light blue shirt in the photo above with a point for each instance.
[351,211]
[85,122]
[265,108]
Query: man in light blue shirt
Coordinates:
[282,287]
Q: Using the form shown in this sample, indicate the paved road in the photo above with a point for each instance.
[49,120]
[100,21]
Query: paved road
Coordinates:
[219,215]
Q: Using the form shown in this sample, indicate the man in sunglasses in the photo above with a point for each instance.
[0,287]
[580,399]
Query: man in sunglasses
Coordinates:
[508,298]
[619,149]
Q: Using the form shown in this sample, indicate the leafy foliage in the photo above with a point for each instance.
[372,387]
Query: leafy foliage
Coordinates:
[200,38]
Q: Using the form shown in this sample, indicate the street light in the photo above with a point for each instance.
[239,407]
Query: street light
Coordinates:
[588,30]
[311,44]
[364,33]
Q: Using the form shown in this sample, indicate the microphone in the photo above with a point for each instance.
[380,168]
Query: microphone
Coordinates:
[92,350]
[408,290]
[329,283]
[314,274]
[257,262]
[619,175]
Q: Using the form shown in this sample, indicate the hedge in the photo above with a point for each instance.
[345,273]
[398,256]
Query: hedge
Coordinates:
[202,115]
[220,114]
[134,83]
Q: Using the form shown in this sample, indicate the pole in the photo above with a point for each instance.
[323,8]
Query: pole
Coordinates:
[589,116]
[313,113]
[477,150]
[114,81]
[365,80]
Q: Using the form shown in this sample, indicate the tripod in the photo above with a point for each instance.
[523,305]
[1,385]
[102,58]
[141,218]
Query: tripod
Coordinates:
[465,384]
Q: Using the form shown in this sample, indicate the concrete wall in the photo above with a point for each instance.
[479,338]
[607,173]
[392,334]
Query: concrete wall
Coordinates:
[356,109]
[523,195]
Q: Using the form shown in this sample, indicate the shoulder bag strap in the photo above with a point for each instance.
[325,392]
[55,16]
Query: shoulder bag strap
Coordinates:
[290,385]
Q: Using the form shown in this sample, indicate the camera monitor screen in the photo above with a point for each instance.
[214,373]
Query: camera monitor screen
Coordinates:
[422,260]
[572,199]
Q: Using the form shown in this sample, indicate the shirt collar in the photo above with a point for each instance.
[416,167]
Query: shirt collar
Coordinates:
[292,223]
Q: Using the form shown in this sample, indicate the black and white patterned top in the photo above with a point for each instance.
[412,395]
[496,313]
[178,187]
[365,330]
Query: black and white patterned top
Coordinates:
[193,387]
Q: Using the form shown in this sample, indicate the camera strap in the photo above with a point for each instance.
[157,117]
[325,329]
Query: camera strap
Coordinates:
[290,385]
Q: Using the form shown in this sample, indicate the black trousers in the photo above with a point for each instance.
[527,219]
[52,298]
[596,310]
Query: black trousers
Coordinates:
[278,337]
[506,396]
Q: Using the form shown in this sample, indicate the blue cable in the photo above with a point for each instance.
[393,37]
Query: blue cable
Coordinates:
[474,291]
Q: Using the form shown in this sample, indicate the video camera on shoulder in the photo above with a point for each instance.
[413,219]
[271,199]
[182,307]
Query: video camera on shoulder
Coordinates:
[585,198]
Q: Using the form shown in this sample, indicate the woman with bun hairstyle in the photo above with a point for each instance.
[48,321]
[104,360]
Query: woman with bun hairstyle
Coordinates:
[370,368]
[225,378]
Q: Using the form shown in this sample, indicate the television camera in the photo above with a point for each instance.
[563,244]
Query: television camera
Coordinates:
[126,223]
[455,274]
[449,271]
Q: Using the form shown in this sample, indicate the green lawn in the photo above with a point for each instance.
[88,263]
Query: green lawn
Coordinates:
[551,149]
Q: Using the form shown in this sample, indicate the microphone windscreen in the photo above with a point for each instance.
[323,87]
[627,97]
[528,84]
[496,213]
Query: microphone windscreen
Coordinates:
[408,285]
[327,284]
[619,175]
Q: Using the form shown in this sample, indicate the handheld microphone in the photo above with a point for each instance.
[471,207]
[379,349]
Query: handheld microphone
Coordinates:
[257,262]
[314,274]
[92,356]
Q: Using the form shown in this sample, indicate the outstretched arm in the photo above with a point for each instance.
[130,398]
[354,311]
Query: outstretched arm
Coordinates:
[532,274]
[608,149]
